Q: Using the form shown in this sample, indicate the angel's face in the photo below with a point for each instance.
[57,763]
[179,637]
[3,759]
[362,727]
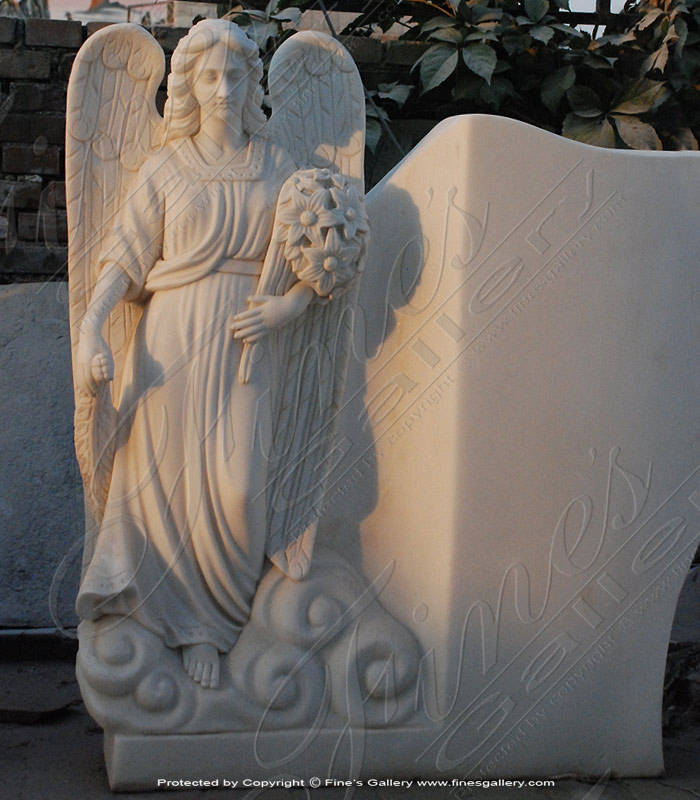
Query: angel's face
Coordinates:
[220,84]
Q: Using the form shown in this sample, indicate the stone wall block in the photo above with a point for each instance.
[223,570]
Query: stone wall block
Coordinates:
[37,97]
[403,52]
[27,64]
[364,51]
[46,128]
[24,158]
[168,38]
[19,194]
[65,65]
[33,262]
[8,30]
[27,225]
[47,227]
[93,27]
[55,194]
[53,33]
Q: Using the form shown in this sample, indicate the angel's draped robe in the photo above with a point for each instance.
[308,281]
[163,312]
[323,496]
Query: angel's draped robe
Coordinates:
[182,542]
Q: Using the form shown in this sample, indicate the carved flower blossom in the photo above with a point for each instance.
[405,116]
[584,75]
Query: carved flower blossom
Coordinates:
[305,216]
[322,223]
[351,210]
[309,180]
[330,265]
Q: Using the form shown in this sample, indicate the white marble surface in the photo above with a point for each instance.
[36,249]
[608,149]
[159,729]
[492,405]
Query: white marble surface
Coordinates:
[521,439]
[516,483]
[212,263]
[518,474]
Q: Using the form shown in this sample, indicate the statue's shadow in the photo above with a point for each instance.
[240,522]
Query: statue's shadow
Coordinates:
[390,280]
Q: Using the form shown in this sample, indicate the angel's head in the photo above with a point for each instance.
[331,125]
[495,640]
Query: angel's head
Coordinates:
[197,51]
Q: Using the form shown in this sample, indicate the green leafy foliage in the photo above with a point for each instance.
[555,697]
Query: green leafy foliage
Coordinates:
[632,87]
[481,60]
[386,98]
[269,27]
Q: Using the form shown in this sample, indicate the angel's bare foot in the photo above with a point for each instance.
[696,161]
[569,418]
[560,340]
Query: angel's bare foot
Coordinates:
[201,662]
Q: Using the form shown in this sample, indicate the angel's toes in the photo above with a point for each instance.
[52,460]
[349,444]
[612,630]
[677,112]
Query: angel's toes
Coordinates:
[214,677]
[201,662]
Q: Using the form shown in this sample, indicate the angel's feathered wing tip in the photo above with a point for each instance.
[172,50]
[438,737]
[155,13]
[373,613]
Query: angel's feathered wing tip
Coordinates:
[295,559]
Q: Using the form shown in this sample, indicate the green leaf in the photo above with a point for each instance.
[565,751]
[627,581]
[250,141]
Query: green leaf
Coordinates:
[481,60]
[252,12]
[260,32]
[640,96]
[447,35]
[683,139]
[555,86]
[637,134]
[437,64]
[397,92]
[543,33]
[584,102]
[373,133]
[497,92]
[681,30]
[467,87]
[598,132]
[514,43]
[291,14]
[568,30]
[376,112]
[437,22]
[536,9]
[595,61]
[614,39]
[484,15]
[649,18]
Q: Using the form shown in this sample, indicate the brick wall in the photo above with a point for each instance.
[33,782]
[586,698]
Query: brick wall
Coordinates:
[35,61]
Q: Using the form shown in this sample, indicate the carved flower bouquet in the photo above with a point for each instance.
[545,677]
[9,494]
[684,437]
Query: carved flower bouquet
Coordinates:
[322,224]
[321,232]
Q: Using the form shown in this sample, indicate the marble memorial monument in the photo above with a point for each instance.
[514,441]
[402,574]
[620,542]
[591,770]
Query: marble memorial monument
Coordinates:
[418,503]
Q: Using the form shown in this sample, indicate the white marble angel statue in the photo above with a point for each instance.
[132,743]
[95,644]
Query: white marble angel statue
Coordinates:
[213,264]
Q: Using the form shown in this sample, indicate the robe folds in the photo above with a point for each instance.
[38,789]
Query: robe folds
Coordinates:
[182,542]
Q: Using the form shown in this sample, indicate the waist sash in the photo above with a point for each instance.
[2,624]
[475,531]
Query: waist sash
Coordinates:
[238,266]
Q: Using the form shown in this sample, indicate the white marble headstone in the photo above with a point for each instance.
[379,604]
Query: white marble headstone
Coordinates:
[522,440]
[517,477]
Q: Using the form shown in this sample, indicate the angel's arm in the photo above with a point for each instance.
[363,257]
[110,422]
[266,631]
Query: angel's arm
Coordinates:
[270,312]
[129,252]
[94,360]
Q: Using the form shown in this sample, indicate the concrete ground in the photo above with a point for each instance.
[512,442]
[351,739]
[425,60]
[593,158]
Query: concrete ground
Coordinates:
[50,749]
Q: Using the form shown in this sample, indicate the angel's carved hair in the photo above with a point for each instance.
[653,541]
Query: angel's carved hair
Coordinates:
[181,108]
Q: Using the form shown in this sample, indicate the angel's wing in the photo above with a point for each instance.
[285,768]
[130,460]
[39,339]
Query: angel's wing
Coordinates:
[318,116]
[112,123]
[318,104]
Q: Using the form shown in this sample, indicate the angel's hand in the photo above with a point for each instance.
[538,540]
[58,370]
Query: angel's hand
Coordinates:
[94,362]
[269,312]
